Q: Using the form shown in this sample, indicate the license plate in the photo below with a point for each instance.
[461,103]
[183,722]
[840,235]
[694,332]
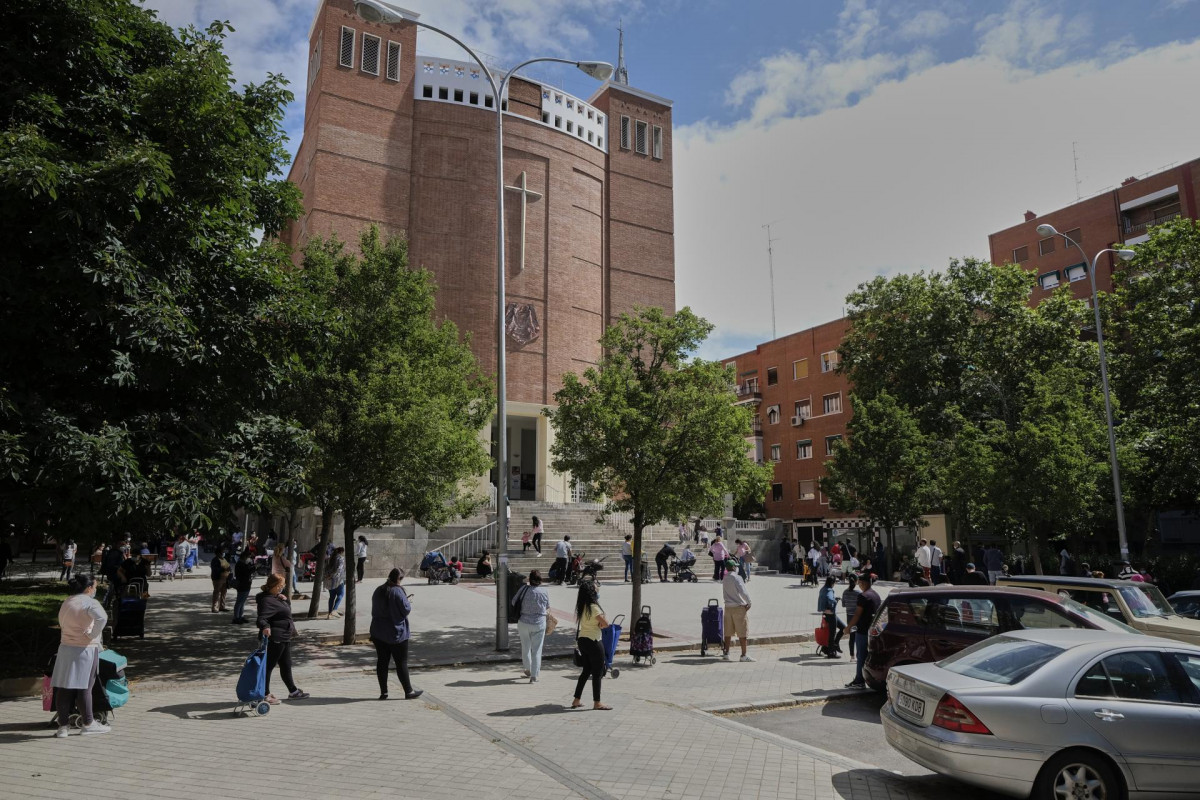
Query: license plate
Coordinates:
[910,704]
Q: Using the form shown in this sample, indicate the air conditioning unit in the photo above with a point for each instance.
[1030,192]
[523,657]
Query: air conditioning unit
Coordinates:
[797,421]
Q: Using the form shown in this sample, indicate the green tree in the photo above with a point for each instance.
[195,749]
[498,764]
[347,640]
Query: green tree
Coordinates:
[146,329]
[965,355]
[396,402]
[658,434]
[885,468]
[1154,354]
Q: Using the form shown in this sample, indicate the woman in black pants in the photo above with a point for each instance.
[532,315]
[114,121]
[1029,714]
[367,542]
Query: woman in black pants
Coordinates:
[590,618]
[389,633]
[275,622]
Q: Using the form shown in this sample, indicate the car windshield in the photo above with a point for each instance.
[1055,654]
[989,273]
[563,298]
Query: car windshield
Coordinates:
[1001,659]
[1102,621]
[1146,601]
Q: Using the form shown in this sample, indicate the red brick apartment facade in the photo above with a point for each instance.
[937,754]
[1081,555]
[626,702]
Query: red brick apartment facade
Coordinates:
[1114,218]
[408,142]
[801,405]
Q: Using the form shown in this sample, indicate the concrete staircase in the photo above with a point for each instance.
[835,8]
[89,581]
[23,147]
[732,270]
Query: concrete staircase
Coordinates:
[589,538]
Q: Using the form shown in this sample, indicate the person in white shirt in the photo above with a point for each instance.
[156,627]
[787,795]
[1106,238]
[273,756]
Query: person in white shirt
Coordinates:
[627,556]
[360,557]
[925,559]
[737,609]
[562,552]
[935,562]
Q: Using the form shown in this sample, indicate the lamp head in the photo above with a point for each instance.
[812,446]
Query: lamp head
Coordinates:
[1046,230]
[376,11]
[1126,255]
[600,70]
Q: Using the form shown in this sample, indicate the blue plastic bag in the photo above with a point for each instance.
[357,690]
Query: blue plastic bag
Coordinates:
[252,684]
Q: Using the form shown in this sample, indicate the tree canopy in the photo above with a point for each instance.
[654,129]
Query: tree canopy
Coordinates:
[146,328]
[975,402]
[658,433]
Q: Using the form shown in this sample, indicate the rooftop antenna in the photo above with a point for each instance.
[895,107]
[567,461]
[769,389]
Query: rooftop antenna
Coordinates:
[1075,155]
[622,76]
[771,271]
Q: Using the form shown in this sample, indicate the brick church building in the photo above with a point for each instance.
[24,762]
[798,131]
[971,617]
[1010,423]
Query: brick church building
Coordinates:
[408,142]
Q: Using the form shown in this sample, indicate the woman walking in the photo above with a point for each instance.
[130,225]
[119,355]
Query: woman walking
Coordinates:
[590,620]
[82,620]
[221,570]
[719,554]
[275,622]
[534,604]
[336,581]
[390,635]
[360,557]
[68,560]
[537,535]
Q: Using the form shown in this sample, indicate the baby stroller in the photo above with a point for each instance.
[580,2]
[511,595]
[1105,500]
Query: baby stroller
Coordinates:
[683,570]
[109,692]
[609,637]
[435,567]
[169,569]
[262,565]
[810,575]
[308,567]
[641,643]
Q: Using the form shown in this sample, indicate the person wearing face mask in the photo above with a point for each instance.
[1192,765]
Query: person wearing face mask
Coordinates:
[82,620]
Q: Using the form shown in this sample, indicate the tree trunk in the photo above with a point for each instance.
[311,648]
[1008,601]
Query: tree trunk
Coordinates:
[639,523]
[1035,549]
[349,630]
[326,534]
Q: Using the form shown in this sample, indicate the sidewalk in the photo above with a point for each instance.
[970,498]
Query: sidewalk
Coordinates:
[479,730]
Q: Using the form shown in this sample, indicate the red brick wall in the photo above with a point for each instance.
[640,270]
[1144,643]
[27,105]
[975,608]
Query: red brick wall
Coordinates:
[789,471]
[371,154]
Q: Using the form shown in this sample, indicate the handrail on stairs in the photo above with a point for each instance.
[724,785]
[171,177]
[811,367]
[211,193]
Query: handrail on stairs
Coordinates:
[458,548]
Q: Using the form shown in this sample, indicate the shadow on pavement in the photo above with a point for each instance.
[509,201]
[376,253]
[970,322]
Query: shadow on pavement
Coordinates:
[858,783]
[15,732]
[530,711]
[495,682]
[858,707]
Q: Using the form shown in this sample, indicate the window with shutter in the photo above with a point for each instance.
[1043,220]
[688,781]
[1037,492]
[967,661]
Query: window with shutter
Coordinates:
[639,136]
[808,490]
[393,61]
[658,147]
[624,133]
[370,54]
[346,54]
[1020,254]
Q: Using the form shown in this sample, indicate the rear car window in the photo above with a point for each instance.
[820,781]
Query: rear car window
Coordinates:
[974,616]
[1001,659]
[906,611]
[1032,614]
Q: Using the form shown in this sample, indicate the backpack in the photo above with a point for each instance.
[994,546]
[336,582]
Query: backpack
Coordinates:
[514,608]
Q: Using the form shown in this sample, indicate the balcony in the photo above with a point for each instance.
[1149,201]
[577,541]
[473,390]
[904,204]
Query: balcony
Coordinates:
[1137,229]
[747,394]
[756,427]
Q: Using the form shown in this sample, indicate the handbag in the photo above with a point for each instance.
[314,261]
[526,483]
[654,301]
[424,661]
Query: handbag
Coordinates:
[821,636]
[551,624]
[576,656]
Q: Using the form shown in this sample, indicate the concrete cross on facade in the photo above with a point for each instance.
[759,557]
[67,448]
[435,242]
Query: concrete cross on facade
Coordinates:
[526,195]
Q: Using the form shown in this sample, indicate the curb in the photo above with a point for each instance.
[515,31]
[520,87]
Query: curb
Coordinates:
[736,709]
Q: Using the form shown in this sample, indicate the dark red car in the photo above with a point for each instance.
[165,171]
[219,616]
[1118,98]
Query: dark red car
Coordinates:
[915,626]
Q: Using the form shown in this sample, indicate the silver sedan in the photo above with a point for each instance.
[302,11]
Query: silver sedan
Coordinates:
[1056,714]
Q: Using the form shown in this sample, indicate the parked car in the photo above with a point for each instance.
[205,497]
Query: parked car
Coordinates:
[1139,605]
[1055,715]
[931,623]
[1186,604]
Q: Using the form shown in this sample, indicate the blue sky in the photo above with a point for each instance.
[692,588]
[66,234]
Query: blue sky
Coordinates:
[879,137]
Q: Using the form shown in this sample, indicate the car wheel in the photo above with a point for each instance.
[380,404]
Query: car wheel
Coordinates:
[1078,775]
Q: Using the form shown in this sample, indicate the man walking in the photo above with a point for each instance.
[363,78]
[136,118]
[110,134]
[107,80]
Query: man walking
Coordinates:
[562,552]
[737,609]
[958,564]
[868,605]
[924,560]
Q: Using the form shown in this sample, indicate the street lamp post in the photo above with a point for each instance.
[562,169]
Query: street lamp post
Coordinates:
[376,11]
[1124,255]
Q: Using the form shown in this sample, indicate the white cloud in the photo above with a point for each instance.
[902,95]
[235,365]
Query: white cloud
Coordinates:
[858,25]
[1027,34]
[920,171]
[926,24]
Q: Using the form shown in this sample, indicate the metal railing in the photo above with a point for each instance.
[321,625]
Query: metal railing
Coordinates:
[751,525]
[469,545]
[1142,226]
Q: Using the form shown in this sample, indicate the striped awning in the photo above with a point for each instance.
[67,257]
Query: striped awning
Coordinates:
[848,523]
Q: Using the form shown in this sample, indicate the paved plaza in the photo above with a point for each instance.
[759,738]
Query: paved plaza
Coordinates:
[480,728]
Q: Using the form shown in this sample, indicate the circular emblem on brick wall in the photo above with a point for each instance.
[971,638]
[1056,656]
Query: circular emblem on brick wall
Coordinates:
[521,323]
